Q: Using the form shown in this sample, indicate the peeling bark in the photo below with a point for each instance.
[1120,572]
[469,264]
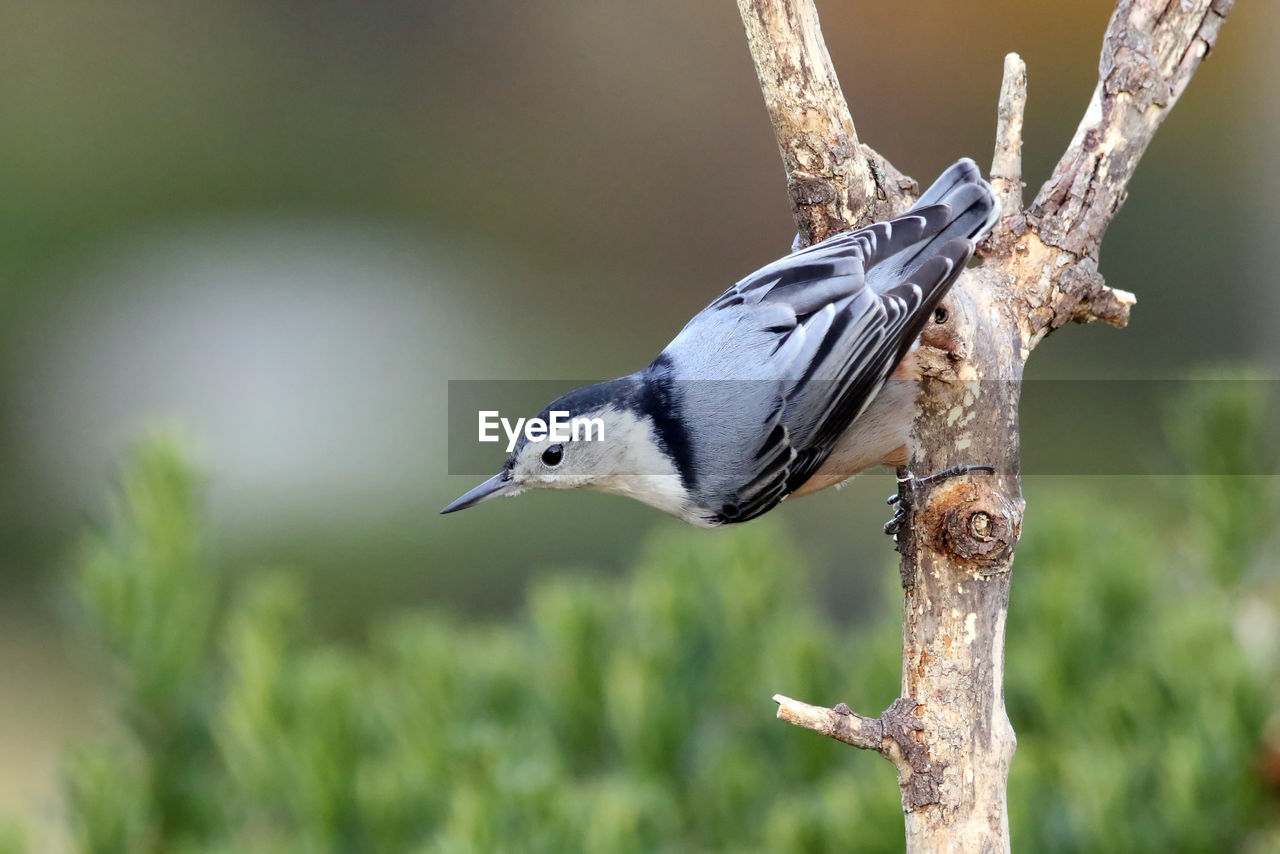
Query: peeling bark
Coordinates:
[948,735]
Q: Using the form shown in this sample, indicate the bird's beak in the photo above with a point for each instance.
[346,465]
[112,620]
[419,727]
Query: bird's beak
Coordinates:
[495,486]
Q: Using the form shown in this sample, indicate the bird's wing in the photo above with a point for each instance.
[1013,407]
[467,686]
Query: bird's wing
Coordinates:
[841,356]
[830,323]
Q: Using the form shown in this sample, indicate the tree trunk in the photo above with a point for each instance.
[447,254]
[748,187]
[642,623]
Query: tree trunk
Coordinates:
[948,734]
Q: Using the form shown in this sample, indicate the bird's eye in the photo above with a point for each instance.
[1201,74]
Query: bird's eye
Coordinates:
[552,456]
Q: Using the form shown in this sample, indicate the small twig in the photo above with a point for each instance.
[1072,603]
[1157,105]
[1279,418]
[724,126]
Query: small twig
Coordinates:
[840,723]
[897,735]
[1006,165]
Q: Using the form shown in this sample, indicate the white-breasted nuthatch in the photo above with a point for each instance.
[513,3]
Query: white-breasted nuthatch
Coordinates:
[780,386]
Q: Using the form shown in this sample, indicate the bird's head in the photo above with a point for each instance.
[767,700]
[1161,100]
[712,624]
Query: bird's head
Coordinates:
[596,437]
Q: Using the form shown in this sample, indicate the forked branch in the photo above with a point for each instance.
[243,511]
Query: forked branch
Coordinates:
[951,741]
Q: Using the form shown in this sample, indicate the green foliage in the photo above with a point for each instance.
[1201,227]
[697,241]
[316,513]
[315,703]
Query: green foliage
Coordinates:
[1233,432]
[151,601]
[634,715]
[1139,720]
[11,839]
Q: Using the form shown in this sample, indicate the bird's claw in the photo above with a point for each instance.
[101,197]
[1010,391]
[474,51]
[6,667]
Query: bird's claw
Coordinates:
[910,489]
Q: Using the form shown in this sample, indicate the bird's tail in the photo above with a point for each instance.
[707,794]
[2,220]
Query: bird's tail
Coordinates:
[960,204]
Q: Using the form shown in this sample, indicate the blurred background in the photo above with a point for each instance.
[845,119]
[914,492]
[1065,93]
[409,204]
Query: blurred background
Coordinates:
[286,226]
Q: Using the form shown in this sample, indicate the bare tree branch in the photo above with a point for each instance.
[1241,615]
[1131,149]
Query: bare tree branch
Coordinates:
[840,723]
[952,742]
[895,735]
[834,183]
[1150,51]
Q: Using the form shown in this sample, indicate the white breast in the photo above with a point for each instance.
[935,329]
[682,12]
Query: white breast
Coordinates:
[880,436]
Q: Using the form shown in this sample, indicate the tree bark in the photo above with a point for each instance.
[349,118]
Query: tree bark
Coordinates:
[948,734]
[833,181]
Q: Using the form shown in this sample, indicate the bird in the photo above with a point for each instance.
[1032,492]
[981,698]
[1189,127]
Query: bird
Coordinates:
[793,380]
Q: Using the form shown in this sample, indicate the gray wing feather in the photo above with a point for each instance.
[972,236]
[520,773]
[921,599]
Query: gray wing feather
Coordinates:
[815,336]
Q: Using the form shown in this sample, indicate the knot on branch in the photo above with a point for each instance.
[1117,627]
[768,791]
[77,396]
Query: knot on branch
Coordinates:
[974,523]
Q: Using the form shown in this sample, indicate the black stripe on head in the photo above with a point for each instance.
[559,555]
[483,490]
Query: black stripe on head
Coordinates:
[662,402]
[582,402]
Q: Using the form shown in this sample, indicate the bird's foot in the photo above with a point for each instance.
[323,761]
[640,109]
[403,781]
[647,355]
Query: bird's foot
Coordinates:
[911,490]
